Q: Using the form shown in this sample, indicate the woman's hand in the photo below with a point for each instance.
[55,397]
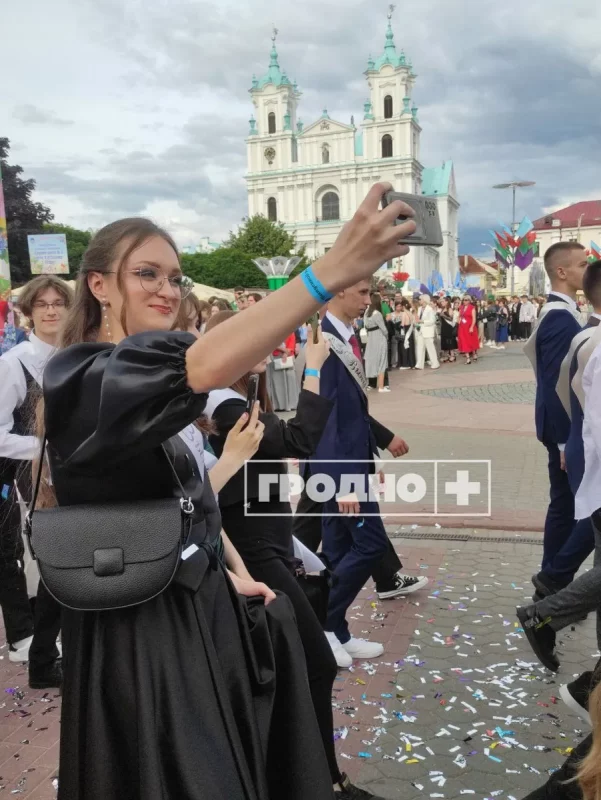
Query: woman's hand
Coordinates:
[252,589]
[366,242]
[243,442]
[316,352]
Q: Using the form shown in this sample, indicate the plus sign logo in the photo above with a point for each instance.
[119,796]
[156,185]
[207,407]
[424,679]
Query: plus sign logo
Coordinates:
[462,487]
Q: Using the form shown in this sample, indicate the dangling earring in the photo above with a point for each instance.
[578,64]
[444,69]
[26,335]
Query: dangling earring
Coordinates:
[107,324]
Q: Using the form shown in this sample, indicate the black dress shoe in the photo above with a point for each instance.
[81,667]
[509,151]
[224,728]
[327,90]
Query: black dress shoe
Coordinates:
[47,677]
[349,791]
[540,636]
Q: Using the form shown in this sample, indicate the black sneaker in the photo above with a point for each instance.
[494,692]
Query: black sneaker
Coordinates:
[48,677]
[576,695]
[540,636]
[400,585]
[351,792]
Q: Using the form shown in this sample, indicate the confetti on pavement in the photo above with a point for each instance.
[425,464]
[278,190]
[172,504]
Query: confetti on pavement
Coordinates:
[465,708]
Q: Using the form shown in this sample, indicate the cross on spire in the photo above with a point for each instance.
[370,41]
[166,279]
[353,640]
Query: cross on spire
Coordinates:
[274,34]
[390,11]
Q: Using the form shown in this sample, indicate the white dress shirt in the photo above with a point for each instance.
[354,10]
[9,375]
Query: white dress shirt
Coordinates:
[346,331]
[569,300]
[588,498]
[34,354]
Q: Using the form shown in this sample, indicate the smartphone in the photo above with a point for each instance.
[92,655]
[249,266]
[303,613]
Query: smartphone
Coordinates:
[314,323]
[428,231]
[252,394]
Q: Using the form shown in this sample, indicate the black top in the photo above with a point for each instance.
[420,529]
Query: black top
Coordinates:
[297,438]
[108,409]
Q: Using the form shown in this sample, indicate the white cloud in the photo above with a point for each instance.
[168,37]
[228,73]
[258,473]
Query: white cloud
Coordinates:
[156,97]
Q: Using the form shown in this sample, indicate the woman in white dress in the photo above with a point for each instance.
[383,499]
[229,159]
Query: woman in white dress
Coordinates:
[376,350]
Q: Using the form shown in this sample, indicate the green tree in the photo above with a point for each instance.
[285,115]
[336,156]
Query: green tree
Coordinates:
[223,269]
[23,216]
[77,242]
[259,237]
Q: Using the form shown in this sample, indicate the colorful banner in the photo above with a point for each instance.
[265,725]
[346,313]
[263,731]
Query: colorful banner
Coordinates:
[515,249]
[4,266]
[48,254]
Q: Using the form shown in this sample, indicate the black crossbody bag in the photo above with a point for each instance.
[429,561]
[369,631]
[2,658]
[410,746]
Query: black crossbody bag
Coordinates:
[101,557]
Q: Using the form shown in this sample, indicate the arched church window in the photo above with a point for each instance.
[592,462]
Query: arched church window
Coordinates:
[271,122]
[388,107]
[387,146]
[272,209]
[325,154]
[330,206]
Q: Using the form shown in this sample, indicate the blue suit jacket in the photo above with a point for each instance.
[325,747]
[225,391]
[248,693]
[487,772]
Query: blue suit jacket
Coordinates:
[553,339]
[574,451]
[350,432]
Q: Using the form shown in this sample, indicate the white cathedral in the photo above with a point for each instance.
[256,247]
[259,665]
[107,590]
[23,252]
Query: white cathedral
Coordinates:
[312,178]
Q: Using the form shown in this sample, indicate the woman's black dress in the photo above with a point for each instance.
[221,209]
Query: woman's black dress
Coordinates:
[261,531]
[199,694]
[448,333]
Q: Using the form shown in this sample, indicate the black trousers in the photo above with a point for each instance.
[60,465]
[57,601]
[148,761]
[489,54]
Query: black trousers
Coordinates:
[19,621]
[321,665]
[307,530]
[46,627]
[16,609]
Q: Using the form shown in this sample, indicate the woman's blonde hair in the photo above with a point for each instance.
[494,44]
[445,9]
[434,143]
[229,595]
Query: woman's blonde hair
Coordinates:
[589,773]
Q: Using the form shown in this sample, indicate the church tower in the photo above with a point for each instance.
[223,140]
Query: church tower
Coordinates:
[390,126]
[271,142]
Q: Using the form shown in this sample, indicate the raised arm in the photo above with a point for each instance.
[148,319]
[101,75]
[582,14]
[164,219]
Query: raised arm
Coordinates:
[364,244]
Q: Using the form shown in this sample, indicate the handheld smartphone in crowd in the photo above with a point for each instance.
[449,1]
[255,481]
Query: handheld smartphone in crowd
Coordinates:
[314,323]
[252,394]
[428,231]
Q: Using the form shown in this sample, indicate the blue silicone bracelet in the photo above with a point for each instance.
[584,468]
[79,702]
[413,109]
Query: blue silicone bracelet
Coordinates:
[312,373]
[315,287]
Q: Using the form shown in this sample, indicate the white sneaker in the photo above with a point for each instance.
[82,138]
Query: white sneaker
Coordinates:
[343,659]
[385,389]
[404,367]
[361,648]
[19,652]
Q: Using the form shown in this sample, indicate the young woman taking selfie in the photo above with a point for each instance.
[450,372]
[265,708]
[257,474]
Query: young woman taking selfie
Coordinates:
[201,691]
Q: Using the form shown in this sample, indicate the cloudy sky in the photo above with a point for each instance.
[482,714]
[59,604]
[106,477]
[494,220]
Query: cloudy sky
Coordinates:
[121,107]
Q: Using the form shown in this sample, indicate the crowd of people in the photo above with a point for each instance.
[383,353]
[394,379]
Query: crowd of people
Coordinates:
[565,352]
[117,436]
[130,390]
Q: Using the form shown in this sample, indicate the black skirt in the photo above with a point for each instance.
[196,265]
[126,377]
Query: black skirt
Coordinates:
[177,698]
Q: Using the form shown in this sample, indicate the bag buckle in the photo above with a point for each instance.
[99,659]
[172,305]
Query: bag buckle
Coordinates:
[186,505]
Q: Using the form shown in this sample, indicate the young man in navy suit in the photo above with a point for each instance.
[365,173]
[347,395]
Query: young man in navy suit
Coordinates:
[353,541]
[565,263]
[567,603]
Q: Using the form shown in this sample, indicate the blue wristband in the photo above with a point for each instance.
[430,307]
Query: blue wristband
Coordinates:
[312,373]
[315,287]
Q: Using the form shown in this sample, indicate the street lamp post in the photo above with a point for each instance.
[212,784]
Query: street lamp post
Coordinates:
[513,185]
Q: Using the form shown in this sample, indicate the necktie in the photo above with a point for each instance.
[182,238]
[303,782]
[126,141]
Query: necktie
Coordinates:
[355,345]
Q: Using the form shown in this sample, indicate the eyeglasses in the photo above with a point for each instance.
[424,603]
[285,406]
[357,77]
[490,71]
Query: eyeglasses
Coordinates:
[42,306]
[152,280]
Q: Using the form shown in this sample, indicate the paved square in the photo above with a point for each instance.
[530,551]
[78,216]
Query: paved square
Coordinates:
[457,705]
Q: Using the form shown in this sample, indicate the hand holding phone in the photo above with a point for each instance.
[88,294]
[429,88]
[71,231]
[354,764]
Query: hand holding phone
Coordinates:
[428,230]
[314,323]
[251,394]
